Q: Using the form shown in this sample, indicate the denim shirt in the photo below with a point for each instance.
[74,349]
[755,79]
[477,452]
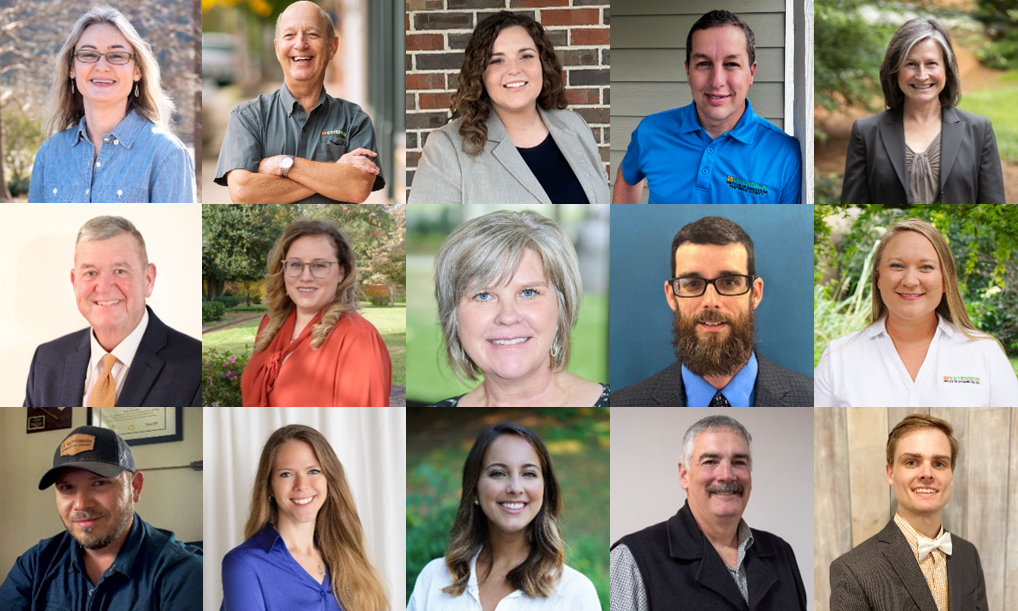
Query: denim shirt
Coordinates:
[138,162]
[152,572]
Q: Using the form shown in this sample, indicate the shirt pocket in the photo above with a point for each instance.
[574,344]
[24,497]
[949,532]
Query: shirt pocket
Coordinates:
[61,192]
[120,193]
[331,147]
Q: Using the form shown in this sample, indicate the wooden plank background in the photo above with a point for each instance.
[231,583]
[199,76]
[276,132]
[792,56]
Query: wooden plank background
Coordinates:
[852,501]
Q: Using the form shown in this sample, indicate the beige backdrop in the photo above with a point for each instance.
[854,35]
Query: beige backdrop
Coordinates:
[853,500]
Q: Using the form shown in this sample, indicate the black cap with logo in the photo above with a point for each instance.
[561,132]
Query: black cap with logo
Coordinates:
[92,448]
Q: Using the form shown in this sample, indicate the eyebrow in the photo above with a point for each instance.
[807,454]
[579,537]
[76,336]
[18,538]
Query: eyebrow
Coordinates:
[724,272]
[718,456]
[709,58]
[910,455]
[505,466]
[310,466]
[519,51]
[114,264]
[116,46]
[923,260]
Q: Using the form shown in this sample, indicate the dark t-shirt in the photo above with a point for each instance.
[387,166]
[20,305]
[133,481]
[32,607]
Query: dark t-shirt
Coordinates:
[552,170]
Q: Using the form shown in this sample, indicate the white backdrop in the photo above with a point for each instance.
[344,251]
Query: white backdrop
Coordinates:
[371,444]
[38,253]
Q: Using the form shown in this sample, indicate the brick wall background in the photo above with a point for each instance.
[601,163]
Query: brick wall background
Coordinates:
[437,31]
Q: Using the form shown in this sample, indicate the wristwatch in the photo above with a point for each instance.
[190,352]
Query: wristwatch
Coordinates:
[285,164]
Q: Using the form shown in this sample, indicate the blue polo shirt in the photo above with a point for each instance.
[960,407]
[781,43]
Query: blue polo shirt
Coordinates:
[755,163]
[740,391]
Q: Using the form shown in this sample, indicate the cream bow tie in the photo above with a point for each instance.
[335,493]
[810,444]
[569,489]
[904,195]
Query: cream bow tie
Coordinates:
[943,543]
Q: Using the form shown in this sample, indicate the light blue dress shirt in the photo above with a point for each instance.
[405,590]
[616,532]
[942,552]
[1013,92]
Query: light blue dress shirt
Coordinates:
[138,162]
[740,392]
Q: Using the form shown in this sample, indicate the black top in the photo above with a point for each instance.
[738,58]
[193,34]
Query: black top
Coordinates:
[602,401]
[553,172]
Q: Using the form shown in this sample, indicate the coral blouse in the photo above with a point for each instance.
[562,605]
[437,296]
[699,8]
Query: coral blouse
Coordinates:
[351,368]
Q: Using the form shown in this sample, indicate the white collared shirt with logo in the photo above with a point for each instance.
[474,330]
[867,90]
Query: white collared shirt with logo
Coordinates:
[864,369]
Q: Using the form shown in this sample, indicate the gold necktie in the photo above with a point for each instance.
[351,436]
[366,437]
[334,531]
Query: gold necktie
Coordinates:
[104,393]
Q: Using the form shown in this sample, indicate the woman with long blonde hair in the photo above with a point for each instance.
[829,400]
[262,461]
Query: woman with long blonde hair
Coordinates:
[305,544]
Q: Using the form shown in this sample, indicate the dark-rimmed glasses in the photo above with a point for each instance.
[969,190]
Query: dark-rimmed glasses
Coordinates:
[117,58]
[319,269]
[728,286]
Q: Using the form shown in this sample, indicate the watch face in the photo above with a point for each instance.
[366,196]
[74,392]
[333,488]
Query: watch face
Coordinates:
[286,162]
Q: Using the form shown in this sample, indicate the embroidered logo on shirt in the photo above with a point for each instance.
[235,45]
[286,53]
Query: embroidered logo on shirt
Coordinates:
[334,132]
[961,380]
[747,186]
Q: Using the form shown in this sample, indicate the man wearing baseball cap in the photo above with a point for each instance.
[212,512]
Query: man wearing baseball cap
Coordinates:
[108,558]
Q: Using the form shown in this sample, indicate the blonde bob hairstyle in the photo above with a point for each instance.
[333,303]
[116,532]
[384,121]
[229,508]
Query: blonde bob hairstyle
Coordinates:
[486,252]
[951,306]
[339,535]
[68,107]
[279,302]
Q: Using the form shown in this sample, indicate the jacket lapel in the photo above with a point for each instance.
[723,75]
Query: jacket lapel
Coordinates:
[686,542]
[899,555]
[72,389]
[673,392]
[951,134]
[892,134]
[566,141]
[146,365]
[506,153]
[758,573]
[767,395]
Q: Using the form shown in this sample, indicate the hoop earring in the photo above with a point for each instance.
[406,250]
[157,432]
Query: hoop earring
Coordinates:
[136,89]
[555,349]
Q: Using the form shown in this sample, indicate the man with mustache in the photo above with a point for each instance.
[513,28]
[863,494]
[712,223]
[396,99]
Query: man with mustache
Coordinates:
[298,144]
[706,557]
[714,291]
[913,563]
[108,558]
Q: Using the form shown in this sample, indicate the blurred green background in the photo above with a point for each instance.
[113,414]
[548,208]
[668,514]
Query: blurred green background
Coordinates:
[438,441]
[429,378]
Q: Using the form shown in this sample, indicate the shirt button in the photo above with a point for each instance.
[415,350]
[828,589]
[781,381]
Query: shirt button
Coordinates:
[98,164]
[54,191]
[87,191]
[106,139]
[120,191]
[710,150]
[116,142]
[705,170]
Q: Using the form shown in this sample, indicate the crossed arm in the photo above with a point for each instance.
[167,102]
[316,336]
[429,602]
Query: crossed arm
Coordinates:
[347,180]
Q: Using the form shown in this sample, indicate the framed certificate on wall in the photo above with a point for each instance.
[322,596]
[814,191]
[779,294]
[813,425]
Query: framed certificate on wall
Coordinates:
[141,425]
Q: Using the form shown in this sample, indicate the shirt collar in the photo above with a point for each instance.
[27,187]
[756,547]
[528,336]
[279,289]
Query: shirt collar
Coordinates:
[912,535]
[880,327]
[267,538]
[288,100]
[744,130]
[125,350]
[738,391]
[124,561]
[125,133]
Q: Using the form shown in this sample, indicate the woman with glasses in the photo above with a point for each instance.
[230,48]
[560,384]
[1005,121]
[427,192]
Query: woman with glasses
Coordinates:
[110,120]
[313,349]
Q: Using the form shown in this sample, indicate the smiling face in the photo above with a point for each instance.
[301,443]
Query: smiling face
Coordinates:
[510,490]
[508,330]
[921,474]
[311,294]
[97,510]
[719,75]
[102,82]
[718,480]
[111,282]
[298,484]
[514,78]
[922,77]
[302,46]
[909,277]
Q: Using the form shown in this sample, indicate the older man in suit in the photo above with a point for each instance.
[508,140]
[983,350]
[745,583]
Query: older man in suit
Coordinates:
[706,557]
[714,293]
[127,357]
[913,564]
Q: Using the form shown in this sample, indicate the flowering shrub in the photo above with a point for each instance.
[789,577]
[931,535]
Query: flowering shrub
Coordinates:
[221,378]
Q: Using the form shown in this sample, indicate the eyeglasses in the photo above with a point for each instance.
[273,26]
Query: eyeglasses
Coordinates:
[117,58]
[295,267]
[729,286]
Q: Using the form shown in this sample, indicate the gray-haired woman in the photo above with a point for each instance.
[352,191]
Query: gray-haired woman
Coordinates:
[922,149]
[508,288]
[111,118]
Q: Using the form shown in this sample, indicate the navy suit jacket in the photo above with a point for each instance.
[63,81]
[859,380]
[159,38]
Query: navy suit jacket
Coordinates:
[166,371]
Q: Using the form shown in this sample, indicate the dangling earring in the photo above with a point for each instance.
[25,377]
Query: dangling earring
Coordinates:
[135,88]
[555,349]
[72,87]
[475,502]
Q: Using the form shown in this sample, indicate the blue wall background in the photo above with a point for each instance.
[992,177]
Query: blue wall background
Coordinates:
[640,319]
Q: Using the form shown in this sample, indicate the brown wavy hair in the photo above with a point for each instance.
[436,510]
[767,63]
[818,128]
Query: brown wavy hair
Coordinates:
[339,535]
[471,101]
[280,304]
[537,575]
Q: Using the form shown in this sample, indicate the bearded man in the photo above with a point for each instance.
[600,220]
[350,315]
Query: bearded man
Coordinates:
[714,293]
[108,558]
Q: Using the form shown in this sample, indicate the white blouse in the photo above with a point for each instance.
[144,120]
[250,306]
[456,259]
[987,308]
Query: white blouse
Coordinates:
[864,369]
[573,592]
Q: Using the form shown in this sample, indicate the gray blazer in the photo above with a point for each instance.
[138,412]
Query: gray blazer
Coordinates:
[876,171]
[776,386]
[498,175]
[882,574]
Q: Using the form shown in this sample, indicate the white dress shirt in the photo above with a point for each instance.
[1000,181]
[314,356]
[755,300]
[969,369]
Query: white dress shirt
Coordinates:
[864,369]
[573,592]
[124,351]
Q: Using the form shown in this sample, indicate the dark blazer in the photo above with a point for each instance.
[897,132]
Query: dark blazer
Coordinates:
[166,371]
[776,386]
[680,569]
[876,171]
[882,574]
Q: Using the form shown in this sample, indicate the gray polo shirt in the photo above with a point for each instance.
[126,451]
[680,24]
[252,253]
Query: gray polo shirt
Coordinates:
[276,124]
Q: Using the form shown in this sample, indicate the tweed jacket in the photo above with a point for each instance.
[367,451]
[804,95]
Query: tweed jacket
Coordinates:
[776,386]
[882,574]
[498,175]
[876,171]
